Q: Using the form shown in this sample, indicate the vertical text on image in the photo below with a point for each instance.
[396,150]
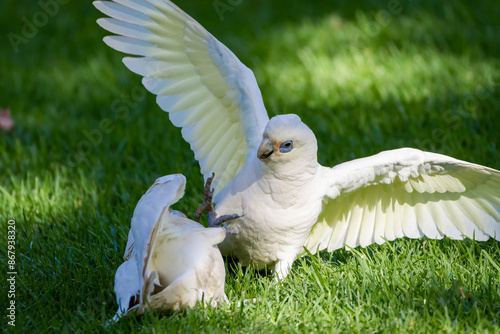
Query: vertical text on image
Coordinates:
[11,272]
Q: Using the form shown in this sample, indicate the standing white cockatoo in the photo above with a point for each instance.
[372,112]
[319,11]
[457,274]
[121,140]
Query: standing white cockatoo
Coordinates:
[171,262]
[266,171]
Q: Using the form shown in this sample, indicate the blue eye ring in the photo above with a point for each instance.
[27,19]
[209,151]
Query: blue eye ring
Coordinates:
[286,146]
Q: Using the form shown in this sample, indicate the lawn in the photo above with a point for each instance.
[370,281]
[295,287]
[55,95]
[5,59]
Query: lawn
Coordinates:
[366,76]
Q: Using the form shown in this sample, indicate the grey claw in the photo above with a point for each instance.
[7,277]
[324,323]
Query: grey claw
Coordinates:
[216,222]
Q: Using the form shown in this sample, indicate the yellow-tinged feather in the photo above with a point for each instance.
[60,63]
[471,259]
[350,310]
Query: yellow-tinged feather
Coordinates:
[332,228]
[471,179]
[398,221]
[194,136]
[481,218]
[194,114]
[408,217]
[181,86]
[207,71]
[338,237]
[433,182]
[380,217]
[367,223]
[416,185]
[169,12]
[229,103]
[157,69]
[408,187]
[442,220]
[425,218]
[195,37]
[216,142]
[227,153]
[452,184]
[426,223]
[175,58]
[183,102]
[199,58]
[352,236]
[167,30]
[168,46]
[341,217]
[322,232]
[389,221]
[430,227]
[213,80]
[460,221]
[424,183]
[486,204]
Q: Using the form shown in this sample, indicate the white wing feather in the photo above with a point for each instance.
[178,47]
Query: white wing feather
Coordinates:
[201,84]
[406,192]
[166,191]
[128,279]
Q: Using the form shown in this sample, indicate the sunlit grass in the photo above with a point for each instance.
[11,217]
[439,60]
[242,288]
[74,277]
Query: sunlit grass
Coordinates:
[336,71]
[427,77]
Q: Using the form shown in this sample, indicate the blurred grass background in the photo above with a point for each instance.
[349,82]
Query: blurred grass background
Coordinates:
[365,76]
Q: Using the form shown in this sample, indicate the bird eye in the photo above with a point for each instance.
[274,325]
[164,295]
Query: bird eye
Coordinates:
[286,146]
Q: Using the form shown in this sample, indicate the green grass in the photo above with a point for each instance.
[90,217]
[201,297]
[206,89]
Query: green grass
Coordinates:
[426,76]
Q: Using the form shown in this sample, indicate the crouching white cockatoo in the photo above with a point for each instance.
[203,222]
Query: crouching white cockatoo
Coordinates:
[171,262]
[266,171]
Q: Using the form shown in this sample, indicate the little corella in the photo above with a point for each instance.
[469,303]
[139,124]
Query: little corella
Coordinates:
[171,262]
[267,174]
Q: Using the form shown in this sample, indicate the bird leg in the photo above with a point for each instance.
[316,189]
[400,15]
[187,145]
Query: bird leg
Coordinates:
[208,195]
[281,269]
[207,206]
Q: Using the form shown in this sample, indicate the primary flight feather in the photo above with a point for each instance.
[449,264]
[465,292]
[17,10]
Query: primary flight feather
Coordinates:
[266,171]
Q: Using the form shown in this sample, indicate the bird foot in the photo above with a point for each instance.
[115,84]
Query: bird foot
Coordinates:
[208,195]
[207,206]
[214,221]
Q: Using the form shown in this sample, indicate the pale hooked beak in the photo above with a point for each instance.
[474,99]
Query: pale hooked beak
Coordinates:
[266,148]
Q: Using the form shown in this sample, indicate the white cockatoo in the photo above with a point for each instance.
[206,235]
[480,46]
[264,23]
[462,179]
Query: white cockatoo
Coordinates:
[266,171]
[171,262]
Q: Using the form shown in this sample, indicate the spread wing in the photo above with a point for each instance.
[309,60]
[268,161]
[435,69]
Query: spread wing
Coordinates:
[203,86]
[406,192]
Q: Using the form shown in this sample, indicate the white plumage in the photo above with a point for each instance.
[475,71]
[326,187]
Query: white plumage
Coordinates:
[171,262]
[267,170]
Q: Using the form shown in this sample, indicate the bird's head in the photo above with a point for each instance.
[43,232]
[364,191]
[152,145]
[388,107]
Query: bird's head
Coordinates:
[288,145]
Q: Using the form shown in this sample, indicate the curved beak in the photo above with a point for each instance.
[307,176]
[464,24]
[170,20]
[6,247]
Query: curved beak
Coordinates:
[266,148]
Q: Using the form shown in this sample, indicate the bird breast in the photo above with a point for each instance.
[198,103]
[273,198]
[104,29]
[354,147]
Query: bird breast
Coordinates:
[277,216]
